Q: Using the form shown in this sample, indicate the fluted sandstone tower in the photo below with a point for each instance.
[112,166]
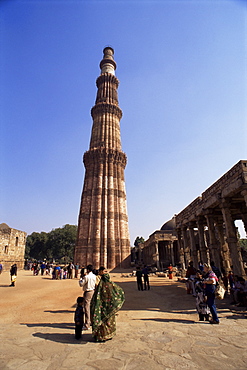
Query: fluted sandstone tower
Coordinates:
[103,232]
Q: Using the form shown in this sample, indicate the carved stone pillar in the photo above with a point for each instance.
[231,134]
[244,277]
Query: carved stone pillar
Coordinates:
[194,254]
[224,249]
[202,243]
[213,243]
[232,241]
[186,246]
[156,255]
[244,219]
[171,252]
[180,248]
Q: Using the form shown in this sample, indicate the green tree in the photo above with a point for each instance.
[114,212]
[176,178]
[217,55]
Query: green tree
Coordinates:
[61,242]
[243,244]
[58,244]
[138,240]
[36,246]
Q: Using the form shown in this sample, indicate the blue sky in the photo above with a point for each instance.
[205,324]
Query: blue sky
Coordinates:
[182,71]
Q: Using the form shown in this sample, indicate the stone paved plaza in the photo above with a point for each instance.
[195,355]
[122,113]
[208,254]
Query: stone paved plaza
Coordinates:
[156,329]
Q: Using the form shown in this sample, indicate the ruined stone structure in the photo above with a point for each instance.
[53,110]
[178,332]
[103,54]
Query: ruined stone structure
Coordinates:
[160,249]
[103,233]
[206,229]
[12,246]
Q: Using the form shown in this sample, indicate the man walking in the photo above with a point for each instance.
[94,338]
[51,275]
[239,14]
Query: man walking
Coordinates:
[88,285]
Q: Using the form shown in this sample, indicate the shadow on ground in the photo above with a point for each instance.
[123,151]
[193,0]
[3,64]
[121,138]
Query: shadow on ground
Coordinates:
[57,325]
[65,338]
[181,321]
[60,311]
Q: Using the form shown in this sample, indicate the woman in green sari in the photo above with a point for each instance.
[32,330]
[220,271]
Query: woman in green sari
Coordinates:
[108,298]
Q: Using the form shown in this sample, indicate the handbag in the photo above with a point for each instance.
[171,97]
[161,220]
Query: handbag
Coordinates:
[220,292]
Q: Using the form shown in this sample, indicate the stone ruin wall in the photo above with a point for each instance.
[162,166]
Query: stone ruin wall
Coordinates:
[12,247]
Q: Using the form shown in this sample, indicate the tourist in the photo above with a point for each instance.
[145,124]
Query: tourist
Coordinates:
[1,268]
[70,270]
[190,275]
[83,272]
[42,267]
[200,265]
[13,274]
[79,317]
[139,278]
[210,281]
[76,270]
[238,292]
[201,305]
[145,277]
[65,273]
[107,300]
[88,285]
[57,270]
[216,270]
[231,280]
[170,271]
[101,271]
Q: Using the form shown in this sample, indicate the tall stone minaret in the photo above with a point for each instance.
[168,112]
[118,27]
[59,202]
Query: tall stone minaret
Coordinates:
[103,232]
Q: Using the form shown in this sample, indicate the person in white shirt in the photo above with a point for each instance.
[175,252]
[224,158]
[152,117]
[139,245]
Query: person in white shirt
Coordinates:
[88,285]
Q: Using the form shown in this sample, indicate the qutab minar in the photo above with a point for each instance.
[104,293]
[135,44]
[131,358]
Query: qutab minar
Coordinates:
[103,231]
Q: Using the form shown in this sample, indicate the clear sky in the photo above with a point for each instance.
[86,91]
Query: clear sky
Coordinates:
[182,71]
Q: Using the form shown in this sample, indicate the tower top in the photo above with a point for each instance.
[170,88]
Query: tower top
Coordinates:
[108,63]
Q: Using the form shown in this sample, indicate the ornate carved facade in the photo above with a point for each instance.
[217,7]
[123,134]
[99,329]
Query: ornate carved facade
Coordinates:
[206,229]
[12,246]
[103,232]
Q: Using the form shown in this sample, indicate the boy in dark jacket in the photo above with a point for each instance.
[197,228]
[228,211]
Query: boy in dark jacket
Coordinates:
[79,318]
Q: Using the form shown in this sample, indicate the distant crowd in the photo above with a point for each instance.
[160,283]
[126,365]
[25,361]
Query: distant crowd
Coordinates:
[55,270]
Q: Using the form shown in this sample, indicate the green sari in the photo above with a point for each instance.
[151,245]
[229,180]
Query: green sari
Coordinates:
[108,298]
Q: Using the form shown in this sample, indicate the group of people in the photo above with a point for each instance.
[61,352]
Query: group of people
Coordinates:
[142,273]
[56,271]
[202,284]
[238,290]
[99,304]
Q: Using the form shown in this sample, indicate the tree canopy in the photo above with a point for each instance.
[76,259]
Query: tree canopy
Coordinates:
[58,244]
[138,240]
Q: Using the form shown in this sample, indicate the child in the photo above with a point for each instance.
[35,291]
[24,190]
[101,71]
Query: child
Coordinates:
[201,305]
[79,318]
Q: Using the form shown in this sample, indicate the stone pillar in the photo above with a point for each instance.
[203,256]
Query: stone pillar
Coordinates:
[186,246]
[194,254]
[171,252]
[202,243]
[224,249]
[238,268]
[213,244]
[244,219]
[180,248]
[156,255]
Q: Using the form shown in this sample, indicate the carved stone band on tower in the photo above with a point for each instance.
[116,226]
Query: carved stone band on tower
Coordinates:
[103,232]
